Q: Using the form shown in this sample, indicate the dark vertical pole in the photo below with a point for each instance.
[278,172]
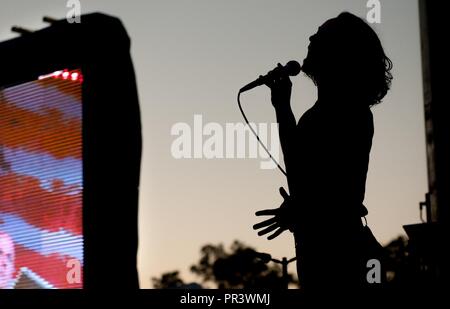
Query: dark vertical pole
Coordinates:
[437,125]
[284,264]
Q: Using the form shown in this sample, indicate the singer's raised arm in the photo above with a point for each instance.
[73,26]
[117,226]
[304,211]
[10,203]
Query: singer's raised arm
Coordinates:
[281,100]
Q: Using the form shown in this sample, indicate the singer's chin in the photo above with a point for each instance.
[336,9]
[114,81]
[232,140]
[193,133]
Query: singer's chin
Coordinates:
[307,66]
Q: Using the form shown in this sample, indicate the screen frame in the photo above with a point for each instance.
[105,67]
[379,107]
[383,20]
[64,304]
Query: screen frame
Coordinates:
[111,132]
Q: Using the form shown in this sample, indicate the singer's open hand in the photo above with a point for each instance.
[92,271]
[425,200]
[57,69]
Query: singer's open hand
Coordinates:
[281,88]
[281,220]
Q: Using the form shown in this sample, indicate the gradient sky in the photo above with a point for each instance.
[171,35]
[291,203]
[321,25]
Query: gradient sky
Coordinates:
[191,57]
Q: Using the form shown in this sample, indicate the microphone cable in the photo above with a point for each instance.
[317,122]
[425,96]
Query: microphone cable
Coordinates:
[256,135]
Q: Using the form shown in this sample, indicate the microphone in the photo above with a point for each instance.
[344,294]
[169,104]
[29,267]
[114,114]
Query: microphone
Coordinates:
[291,68]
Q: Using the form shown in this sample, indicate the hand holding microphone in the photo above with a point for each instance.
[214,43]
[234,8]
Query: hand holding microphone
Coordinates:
[280,85]
[292,68]
[278,81]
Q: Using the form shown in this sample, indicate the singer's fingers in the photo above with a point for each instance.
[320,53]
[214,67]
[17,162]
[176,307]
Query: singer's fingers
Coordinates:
[268,212]
[284,193]
[267,81]
[265,223]
[268,229]
[270,84]
[282,76]
[276,234]
[285,80]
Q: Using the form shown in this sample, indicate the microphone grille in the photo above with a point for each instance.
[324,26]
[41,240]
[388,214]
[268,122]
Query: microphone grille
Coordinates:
[293,68]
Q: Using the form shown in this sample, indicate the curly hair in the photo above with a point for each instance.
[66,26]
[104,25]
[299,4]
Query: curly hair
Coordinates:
[348,45]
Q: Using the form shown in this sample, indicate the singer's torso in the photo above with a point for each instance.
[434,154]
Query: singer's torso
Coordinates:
[332,150]
[327,182]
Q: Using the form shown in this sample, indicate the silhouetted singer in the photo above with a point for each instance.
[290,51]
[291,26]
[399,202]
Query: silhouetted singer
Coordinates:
[327,154]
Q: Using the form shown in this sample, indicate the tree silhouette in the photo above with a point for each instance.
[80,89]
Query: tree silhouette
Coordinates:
[239,268]
[170,280]
[242,267]
[398,263]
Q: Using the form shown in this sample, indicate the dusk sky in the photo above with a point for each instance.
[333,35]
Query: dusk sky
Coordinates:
[191,58]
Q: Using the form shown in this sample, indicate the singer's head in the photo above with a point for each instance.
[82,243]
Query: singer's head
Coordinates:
[345,57]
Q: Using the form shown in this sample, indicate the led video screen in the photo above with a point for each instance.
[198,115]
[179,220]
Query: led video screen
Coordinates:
[41,183]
